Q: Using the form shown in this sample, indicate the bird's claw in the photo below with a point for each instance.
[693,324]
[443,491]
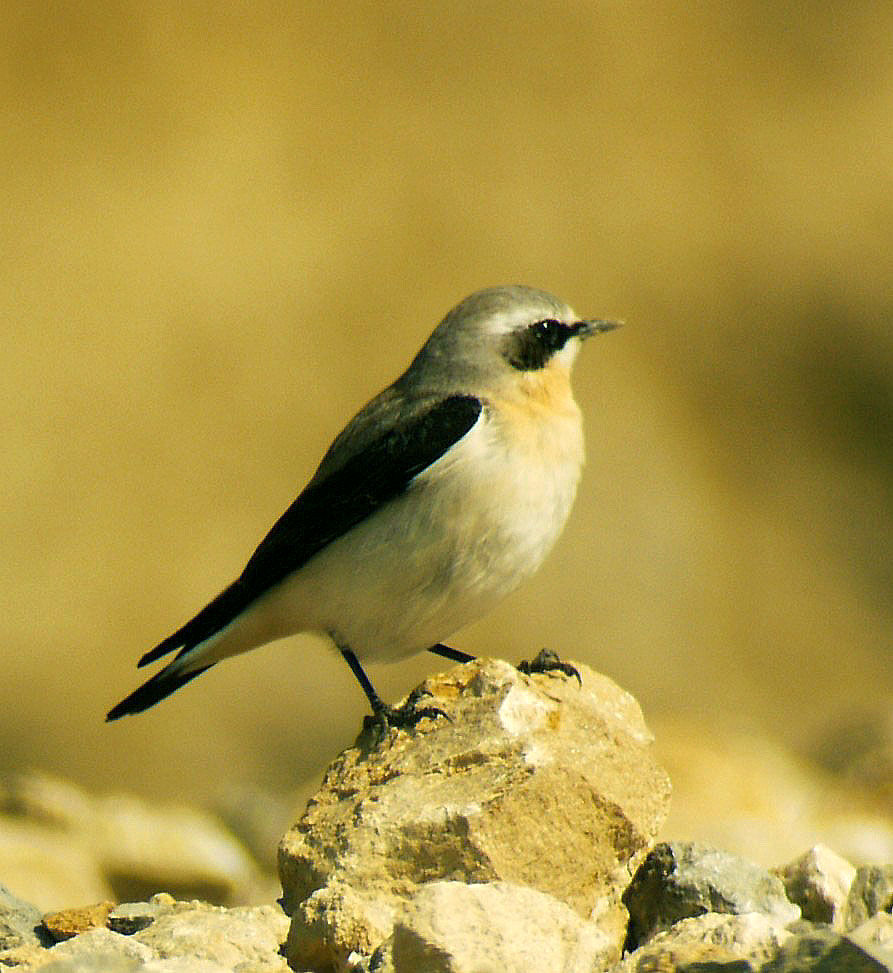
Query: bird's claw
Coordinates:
[384,717]
[548,661]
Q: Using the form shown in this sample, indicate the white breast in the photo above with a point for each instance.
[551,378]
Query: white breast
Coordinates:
[469,530]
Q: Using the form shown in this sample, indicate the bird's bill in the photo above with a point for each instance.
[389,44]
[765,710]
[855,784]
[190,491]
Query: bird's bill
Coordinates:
[595,326]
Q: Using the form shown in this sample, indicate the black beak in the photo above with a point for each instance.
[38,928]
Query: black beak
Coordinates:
[595,326]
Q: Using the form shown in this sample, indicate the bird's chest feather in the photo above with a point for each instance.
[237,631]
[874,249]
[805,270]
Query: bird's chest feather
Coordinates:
[503,493]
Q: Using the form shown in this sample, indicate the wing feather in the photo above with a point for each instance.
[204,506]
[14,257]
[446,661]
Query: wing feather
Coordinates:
[339,497]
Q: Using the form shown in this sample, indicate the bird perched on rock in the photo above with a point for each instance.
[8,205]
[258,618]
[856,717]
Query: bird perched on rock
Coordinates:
[434,502]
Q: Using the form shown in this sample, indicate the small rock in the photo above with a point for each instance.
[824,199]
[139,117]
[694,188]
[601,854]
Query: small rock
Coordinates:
[870,893]
[714,941]
[246,937]
[819,882]
[72,922]
[132,917]
[451,927]
[824,950]
[18,920]
[876,936]
[535,781]
[97,951]
[28,956]
[681,879]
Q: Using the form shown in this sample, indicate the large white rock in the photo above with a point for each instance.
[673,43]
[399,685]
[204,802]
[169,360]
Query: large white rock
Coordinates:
[533,780]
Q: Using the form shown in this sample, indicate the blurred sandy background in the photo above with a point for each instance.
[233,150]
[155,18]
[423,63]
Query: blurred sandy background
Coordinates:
[225,226]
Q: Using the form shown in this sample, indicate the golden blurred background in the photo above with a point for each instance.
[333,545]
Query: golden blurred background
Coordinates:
[227,225]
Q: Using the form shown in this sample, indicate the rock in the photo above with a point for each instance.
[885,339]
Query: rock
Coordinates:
[682,879]
[192,937]
[96,951]
[246,937]
[819,882]
[876,937]
[18,921]
[72,922]
[132,917]
[533,781]
[821,949]
[713,941]
[451,927]
[870,893]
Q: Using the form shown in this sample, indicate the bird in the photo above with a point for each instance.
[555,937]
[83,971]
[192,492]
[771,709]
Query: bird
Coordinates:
[438,499]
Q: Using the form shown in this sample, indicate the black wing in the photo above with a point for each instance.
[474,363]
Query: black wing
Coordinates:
[329,507]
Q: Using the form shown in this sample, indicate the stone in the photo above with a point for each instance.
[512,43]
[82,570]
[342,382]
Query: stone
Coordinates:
[870,893]
[531,780]
[98,950]
[247,936]
[821,949]
[876,937]
[129,918]
[72,922]
[18,921]
[452,927]
[682,879]
[819,882]
[713,941]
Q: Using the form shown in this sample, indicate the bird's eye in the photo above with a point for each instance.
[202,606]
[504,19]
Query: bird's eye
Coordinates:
[532,347]
[552,333]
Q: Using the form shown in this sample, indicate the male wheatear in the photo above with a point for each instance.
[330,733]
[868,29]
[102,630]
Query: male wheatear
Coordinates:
[434,502]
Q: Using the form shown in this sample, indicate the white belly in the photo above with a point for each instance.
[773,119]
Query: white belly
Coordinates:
[469,530]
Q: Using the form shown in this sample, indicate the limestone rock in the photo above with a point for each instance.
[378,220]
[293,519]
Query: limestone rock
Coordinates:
[129,918]
[819,882]
[18,920]
[533,780]
[95,951]
[451,927]
[820,949]
[713,941]
[168,937]
[72,922]
[876,937]
[870,893]
[682,879]
[248,937]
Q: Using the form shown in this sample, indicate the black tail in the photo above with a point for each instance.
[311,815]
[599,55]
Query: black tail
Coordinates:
[213,617]
[162,684]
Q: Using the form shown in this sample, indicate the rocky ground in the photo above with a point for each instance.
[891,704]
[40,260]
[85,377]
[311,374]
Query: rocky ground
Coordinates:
[518,834]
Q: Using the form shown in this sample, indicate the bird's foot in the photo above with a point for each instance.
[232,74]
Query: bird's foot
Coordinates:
[548,661]
[384,717]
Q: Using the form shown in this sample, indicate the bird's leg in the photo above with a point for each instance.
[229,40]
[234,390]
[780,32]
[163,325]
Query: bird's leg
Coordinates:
[384,716]
[548,661]
[457,655]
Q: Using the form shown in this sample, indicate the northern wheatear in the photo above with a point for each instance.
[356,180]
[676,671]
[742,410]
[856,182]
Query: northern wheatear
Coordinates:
[434,502]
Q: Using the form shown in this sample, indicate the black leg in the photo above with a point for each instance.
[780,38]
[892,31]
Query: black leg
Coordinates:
[384,716]
[355,667]
[548,661]
[457,655]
